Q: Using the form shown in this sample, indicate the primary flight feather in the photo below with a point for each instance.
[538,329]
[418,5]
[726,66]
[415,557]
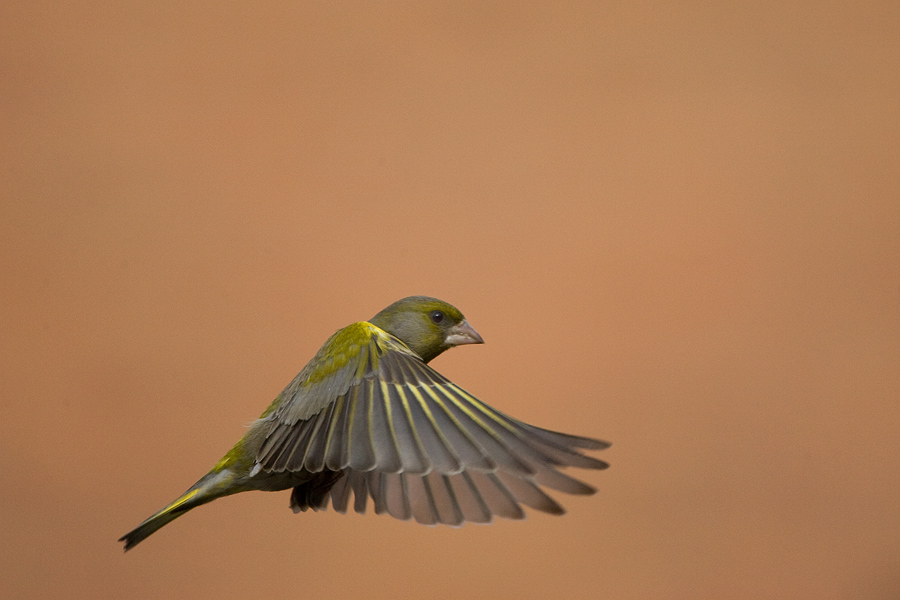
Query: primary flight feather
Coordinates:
[368,415]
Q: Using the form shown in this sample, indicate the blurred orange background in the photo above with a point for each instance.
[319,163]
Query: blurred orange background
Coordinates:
[677,226]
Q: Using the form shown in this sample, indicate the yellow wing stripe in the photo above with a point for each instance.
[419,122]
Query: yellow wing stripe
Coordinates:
[501,452]
[335,422]
[386,398]
[471,414]
[412,424]
[459,426]
[434,424]
[483,409]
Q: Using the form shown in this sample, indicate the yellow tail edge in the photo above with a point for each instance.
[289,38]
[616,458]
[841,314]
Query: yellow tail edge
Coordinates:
[174,510]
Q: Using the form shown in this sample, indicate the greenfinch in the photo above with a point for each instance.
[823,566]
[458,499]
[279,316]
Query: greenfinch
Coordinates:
[368,415]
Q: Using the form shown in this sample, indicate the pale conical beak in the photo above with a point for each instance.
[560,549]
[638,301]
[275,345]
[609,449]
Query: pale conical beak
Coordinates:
[462,334]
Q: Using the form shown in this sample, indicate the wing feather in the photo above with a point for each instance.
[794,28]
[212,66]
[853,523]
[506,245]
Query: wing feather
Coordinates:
[384,442]
[396,496]
[418,445]
[335,437]
[374,486]
[435,445]
[517,438]
[360,490]
[552,478]
[526,492]
[490,441]
[411,453]
[472,506]
[360,448]
[456,435]
[420,500]
[340,494]
[314,457]
[446,504]
[498,499]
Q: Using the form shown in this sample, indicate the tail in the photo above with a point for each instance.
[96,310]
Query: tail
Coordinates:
[191,499]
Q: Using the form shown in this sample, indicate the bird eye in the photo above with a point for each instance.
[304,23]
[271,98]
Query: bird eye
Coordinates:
[437,316]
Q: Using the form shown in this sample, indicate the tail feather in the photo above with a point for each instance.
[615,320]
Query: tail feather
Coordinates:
[177,508]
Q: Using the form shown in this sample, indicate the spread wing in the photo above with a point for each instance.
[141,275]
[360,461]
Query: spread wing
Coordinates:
[416,443]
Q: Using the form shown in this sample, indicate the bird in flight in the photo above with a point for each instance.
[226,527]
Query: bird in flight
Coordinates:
[367,415]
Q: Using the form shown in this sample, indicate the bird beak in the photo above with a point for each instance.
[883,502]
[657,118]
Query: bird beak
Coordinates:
[462,334]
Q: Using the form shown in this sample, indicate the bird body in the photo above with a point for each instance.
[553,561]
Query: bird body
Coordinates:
[368,415]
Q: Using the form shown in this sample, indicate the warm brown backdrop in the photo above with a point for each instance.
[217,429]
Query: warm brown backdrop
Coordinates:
[677,227]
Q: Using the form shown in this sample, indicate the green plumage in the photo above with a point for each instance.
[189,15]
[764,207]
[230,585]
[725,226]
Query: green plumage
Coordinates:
[368,415]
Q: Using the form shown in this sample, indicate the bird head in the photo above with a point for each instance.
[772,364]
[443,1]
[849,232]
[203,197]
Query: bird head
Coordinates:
[428,326]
